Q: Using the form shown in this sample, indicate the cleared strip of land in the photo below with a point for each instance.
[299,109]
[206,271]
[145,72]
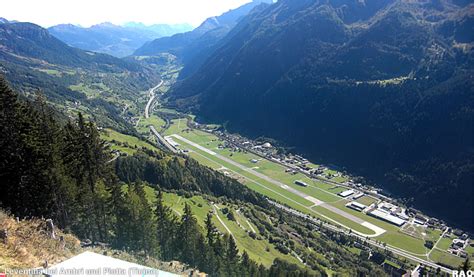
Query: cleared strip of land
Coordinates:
[314,201]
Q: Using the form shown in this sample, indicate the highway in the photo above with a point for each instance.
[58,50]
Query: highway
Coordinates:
[161,140]
[152,95]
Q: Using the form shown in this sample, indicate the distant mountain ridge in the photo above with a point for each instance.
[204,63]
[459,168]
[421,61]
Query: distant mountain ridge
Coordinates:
[32,59]
[384,88]
[119,41]
[30,40]
[193,47]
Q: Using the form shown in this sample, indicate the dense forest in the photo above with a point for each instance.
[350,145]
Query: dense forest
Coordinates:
[56,168]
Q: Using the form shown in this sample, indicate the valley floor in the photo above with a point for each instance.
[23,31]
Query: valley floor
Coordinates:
[319,199]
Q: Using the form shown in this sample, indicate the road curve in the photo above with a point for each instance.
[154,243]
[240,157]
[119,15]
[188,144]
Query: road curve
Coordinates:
[161,140]
[151,93]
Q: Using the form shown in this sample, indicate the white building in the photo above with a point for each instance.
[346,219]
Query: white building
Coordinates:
[356,206]
[383,215]
[346,193]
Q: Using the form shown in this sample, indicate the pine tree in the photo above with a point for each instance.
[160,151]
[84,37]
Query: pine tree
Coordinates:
[146,223]
[12,150]
[165,222]
[231,255]
[211,230]
[188,233]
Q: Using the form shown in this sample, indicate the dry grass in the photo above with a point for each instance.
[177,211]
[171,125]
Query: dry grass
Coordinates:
[29,244]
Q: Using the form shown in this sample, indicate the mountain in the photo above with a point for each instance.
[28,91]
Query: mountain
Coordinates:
[99,85]
[382,88]
[160,30]
[193,47]
[119,41]
[26,40]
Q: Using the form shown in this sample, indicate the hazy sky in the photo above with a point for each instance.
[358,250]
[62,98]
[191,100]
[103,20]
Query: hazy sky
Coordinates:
[88,12]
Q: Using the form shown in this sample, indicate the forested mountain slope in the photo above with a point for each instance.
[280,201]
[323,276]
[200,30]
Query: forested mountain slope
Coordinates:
[193,47]
[74,80]
[382,88]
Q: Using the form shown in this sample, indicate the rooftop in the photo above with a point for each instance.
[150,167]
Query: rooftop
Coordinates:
[387,217]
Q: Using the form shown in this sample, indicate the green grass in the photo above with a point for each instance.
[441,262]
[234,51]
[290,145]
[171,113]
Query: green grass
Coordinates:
[366,200]
[341,219]
[81,87]
[259,250]
[446,258]
[444,243]
[392,263]
[432,234]
[52,72]
[153,120]
[469,249]
[354,250]
[131,142]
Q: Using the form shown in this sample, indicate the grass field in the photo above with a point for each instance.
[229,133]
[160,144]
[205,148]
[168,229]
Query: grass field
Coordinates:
[127,144]
[446,258]
[259,249]
[366,200]
[143,123]
[444,243]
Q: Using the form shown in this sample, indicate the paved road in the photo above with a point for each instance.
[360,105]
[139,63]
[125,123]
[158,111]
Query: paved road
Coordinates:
[161,140]
[151,93]
[378,231]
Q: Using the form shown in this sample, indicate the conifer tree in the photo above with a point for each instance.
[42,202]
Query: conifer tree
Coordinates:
[188,233]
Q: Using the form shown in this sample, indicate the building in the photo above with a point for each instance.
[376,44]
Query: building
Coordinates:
[356,206]
[267,145]
[358,195]
[346,193]
[381,214]
[301,183]
[459,242]
[92,264]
